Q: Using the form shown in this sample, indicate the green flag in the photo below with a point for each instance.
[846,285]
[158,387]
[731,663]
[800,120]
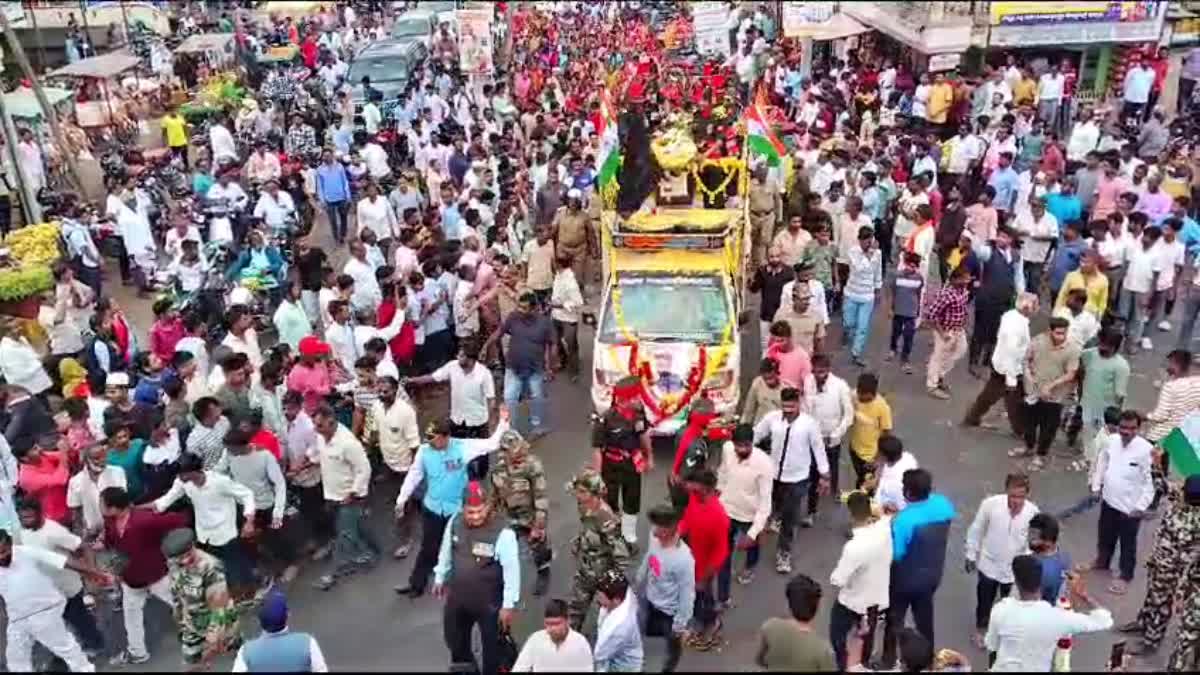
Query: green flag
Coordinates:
[1181,445]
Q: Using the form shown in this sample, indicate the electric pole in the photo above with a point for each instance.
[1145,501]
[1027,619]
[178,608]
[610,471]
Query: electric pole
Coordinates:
[48,110]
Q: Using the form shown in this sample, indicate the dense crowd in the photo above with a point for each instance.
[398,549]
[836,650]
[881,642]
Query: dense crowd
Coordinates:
[206,466]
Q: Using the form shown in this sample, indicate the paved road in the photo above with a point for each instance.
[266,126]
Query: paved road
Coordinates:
[362,625]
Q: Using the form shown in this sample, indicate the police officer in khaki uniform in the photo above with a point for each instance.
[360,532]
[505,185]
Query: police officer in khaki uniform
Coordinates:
[621,452]
[765,206]
[571,234]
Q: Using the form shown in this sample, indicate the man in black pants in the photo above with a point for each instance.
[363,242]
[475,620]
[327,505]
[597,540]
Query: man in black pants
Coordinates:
[668,575]
[620,445]
[479,573]
[1000,275]
[919,535]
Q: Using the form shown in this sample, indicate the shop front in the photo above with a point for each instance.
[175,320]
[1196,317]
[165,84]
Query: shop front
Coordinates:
[926,42]
[1096,38]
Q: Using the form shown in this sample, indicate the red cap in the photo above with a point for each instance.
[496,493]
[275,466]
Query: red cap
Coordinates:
[310,345]
[475,495]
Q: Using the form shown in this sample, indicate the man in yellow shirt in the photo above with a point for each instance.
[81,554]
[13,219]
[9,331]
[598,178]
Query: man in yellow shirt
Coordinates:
[941,97]
[872,419]
[174,134]
[1025,89]
[1089,278]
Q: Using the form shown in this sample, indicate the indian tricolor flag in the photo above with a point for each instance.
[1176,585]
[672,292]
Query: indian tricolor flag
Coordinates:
[1182,445]
[760,138]
[609,158]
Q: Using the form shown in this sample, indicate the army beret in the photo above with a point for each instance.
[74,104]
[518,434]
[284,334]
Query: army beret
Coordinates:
[177,542]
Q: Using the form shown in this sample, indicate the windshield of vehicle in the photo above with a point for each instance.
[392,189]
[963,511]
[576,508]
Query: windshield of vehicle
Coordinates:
[659,307]
[383,69]
[413,25]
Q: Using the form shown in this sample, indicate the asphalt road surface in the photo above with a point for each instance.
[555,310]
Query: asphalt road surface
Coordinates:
[362,625]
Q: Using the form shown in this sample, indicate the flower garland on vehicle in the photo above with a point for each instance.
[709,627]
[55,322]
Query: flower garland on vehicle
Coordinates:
[732,166]
[706,367]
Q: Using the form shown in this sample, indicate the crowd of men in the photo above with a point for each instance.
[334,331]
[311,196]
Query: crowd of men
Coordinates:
[206,472]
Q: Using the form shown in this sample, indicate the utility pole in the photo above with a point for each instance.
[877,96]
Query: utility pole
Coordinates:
[48,110]
[37,33]
[30,208]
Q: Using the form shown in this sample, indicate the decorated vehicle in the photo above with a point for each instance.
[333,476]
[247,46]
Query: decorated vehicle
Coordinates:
[670,307]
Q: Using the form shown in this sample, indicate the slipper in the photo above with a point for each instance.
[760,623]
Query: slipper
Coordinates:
[1118,587]
[1037,464]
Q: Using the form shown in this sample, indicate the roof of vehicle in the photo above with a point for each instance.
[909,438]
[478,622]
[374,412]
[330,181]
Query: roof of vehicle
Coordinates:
[387,48]
[666,220]
[676,261]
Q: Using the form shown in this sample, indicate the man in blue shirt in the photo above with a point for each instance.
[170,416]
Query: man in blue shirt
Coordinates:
[333,191]
[442,464]
[1067,254]
[479,573]
[1065,205]
[1006,183]
[1189,233]
[919,536]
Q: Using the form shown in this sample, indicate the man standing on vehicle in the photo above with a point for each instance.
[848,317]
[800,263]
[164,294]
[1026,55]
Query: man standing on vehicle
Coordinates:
[621,447]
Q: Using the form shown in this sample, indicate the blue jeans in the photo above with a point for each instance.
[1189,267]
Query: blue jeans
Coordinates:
[736,529]
[856,322]
[1187,327]
[535,385]
[339,219]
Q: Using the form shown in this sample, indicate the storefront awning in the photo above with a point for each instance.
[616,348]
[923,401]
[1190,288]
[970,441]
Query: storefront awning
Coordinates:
[839,26]
[934,39]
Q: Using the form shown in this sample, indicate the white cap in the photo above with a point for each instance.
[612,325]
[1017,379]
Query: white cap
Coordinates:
[117,380]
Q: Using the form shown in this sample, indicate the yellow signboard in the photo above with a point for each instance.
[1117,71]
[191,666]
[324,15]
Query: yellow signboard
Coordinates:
[1035,13]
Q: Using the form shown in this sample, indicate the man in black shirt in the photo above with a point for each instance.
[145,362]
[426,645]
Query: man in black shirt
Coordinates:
[769,281]
[529,360]
[311,263]
[621,447]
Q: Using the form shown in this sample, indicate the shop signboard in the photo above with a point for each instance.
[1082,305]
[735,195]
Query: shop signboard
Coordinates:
[1041,13]
[709,21]
[1028,24]
[942,62]
[800,17]
[475,41]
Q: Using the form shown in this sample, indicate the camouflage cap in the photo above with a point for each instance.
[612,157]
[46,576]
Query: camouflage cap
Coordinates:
[589,480]
[511,440]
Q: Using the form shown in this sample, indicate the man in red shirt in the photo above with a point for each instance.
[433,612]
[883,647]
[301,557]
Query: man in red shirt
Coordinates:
[43,476]
[705,527]
[137,534]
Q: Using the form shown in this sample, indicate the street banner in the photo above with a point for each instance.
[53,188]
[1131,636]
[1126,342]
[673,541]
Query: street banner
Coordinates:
[800,18]
[475,41]
[710,20]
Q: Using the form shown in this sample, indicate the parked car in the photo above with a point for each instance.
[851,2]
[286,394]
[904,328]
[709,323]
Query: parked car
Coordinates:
[417,25]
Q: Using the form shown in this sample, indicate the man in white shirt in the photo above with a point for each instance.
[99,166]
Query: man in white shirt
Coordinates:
[35,605]
[795,442]
[862,575]
[1024,631]
[557,648]
[1139,81]
[274,206]
[1121,478]
[827,398]
[1049,96]
[367,294]
[48,535]
[372,117]
[472,392]
[892,462]
[744,483]
[376,159]
[1039,231]
[346,479]
[262,165]
[84,488]
[224,149]
[215,498]
[399,439]
[999,533]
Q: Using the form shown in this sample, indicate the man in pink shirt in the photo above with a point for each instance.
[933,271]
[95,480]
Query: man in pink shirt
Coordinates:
[1108,189]
[1155,203]
[167,330]
[794,363]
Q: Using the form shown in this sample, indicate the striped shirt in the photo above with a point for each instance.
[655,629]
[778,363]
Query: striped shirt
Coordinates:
[1177,398]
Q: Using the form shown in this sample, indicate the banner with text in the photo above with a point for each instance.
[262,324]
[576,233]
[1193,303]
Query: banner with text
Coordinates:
[709,20]
[475,41]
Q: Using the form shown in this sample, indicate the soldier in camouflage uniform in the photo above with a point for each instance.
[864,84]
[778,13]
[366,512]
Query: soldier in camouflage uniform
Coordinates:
[1177,545]
[519,492]
[1185,656]
[597,548]
[204,610]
